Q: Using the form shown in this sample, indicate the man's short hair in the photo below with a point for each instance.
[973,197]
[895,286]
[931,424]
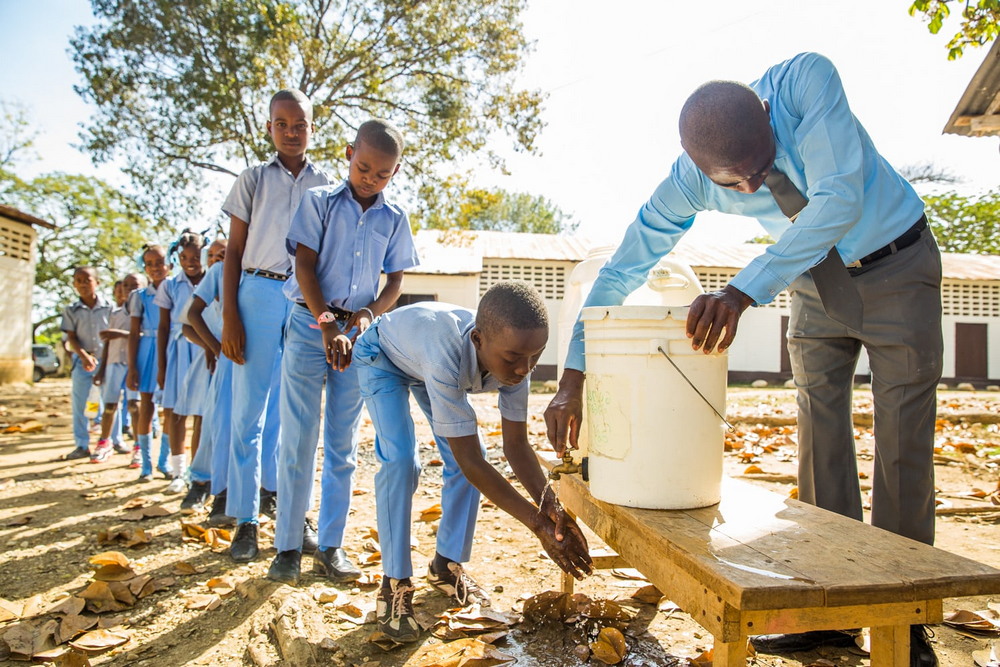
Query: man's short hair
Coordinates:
[382,135]
[514,304]
[291,95]
[723,121]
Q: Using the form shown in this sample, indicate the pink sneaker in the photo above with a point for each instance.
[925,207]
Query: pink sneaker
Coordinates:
[101,452]
[136,461]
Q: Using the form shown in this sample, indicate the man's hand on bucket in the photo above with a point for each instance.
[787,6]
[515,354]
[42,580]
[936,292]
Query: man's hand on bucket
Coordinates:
[713,313]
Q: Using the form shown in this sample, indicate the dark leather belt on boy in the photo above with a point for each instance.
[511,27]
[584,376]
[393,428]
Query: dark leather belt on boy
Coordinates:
[339,314]
[266,274]
[906,239]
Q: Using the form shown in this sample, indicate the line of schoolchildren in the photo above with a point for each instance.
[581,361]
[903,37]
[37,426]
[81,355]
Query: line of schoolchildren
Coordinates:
[296,308]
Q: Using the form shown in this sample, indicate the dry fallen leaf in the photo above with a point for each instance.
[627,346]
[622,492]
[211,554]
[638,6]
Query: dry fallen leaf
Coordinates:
[191,531]
[609,647]
[460,653]
[110,558]
[649,594]
[73,625]
[184,567]
[114,572]
[70,606]
[432,513]
[222,586]
[99,641]
[201,601]
[329,595]
[145,512]
[753,470]
[100,598]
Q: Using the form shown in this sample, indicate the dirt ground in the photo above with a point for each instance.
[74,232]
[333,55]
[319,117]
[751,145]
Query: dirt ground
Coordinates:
[190,605]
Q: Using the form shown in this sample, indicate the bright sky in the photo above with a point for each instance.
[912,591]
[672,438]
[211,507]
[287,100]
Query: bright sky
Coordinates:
[617,75]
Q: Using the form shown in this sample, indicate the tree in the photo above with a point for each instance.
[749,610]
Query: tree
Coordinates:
[964,223]
[96,224]
[980,21]
[455,205]
[181,88]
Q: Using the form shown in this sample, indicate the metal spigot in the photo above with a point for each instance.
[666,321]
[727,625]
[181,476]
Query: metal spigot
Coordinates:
[567,467]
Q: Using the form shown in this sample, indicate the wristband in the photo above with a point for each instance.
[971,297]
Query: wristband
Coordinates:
[371,315]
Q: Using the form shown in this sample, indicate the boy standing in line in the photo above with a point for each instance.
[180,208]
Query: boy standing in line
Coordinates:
[343,237]
[260,206]
[82,321]
[441,353]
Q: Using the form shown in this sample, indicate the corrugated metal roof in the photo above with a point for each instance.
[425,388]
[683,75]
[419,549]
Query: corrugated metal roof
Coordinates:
[978,112]
[20,216]
[462,252]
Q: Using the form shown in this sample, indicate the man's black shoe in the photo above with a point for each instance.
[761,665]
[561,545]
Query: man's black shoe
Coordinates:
[268,503]
[285,567]
[196,498]
[921,653]
[335,566]
[244,546]
[801,641]
[310,540]
[218,517]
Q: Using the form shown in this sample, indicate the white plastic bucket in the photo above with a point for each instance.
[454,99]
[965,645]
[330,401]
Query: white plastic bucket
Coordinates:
[654,442]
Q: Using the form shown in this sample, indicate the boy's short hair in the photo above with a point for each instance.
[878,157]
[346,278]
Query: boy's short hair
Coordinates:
[291,95]
[514,304]
[381,134]
[87,268]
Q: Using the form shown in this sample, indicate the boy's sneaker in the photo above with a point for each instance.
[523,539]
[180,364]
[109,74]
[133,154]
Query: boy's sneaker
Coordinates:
[101,452]
[121,448]
[145,477]
[136,461]
[218,517]
[457,583]
[177,485]
[394,612]
[196,497]
[77,453]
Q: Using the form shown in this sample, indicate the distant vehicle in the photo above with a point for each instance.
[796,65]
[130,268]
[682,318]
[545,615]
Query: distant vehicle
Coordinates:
[46,361]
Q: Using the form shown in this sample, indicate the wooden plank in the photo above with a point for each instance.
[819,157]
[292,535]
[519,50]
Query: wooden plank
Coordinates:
[779,621]
[890,646]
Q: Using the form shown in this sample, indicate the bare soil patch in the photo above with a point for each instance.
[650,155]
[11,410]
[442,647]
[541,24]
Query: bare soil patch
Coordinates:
[210,611]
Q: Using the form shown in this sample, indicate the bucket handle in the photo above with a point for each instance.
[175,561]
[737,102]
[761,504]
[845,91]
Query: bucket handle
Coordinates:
[662,280]
[732,429]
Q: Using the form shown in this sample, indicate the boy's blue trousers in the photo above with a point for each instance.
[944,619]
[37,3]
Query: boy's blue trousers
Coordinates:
[256,389]
[386,391]
[303,373]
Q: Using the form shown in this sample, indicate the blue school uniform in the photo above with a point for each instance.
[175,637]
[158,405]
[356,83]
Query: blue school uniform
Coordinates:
[439,367]
[141,307]
[86,323]
[265,197]
[354,247]
[173,295]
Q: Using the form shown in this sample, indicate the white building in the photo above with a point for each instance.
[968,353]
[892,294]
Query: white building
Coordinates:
[17,276]
[458,267]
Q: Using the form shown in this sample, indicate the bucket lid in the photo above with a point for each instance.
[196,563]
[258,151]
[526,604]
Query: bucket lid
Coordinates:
[596,313]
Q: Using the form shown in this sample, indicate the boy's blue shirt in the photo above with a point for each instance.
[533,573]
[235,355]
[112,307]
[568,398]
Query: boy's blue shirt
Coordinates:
[430,342]
[209,290]
[87,323]
[140,304]
[174,293]
[353,247]
[266,197]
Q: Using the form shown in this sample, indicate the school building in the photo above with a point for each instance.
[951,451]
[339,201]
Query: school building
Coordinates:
[459,266]
[17,277]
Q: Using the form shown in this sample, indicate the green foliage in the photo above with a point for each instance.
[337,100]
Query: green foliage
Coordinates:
[96,225]
[980,21]
[454,205]
[182,88]
[965,223]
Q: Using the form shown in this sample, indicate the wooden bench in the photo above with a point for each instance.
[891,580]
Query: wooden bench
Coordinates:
[759,563]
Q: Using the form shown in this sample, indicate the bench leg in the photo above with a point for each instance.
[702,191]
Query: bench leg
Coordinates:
[730,654]
[890,646]
[567,582]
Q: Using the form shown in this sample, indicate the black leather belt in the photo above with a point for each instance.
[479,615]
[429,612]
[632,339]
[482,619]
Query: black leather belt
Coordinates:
[906,239]
[266,274]
[339,314]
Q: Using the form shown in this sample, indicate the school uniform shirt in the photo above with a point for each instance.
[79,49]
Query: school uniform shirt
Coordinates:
[353,247]
[266,197]
[857,201]
[173,294]
[118,347]
[430,342]
[209,290]
[87,323]
[140,304]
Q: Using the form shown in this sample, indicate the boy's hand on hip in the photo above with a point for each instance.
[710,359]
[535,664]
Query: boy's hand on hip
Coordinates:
[233,340]
[89,363]
[565,412]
